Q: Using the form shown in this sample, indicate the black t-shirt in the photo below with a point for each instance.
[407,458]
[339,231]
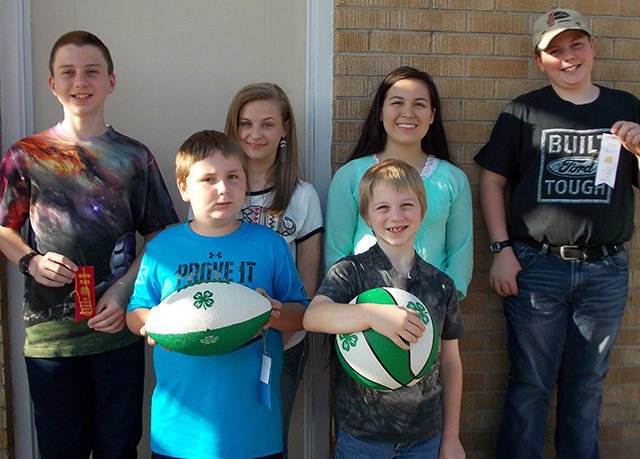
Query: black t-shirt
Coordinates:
[410,413]
[548,149]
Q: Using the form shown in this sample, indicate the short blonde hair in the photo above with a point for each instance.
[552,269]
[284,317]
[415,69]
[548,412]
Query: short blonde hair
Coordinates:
[203,144]
[397,173]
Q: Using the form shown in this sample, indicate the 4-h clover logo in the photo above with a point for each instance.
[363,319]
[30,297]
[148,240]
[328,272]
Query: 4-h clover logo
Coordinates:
[203,299]
[424,316]
[210,339]
[348,340]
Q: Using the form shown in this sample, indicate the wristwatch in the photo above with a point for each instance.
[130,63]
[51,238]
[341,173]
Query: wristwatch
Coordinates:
[497,246]
[23,264]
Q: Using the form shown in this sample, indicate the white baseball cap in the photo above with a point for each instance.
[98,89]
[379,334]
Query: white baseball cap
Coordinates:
[553,23]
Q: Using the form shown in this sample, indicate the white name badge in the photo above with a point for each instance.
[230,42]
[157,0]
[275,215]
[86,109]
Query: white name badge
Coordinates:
[608,160]
[265,380]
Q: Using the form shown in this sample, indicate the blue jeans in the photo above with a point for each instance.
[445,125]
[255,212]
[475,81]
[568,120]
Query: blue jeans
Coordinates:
[88,405]
[350,447]
[292,369]
[560,328]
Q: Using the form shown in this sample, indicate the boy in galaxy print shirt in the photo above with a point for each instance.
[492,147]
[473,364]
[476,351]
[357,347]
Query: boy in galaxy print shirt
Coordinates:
[84,190]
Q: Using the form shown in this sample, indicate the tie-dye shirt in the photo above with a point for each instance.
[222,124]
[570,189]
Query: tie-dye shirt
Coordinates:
[84,198]
[409,414]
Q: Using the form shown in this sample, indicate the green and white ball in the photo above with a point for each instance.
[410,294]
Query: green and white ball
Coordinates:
[208,318]
[377,362]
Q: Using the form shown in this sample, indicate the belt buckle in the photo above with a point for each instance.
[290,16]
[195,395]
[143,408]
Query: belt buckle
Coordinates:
[564,256]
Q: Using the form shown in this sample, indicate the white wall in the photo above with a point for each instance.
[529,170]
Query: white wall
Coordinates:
[177,63]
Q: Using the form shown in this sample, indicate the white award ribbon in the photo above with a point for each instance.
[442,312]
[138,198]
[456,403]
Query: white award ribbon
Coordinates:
[608,160]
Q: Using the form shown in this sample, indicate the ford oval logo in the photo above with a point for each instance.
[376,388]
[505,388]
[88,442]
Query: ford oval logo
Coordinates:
[573,166]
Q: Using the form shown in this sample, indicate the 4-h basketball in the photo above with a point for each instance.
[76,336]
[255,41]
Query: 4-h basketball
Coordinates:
[377,362]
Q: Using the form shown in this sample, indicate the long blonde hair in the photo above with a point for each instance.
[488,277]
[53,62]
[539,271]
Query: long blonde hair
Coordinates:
[284,171]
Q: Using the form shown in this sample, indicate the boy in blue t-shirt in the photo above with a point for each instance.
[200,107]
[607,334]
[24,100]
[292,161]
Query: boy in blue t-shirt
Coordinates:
[211,407]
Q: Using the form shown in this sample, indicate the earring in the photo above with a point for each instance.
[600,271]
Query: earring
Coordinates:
[283,150]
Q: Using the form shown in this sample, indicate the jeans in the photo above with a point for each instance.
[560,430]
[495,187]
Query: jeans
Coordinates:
[292,369]
[88,405]
[560,329]
[350,447]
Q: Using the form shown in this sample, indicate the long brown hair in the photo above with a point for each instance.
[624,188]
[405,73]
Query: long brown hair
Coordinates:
[284,171]
[373,137]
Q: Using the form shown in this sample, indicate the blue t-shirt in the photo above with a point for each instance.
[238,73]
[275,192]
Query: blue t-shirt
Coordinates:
[209,407]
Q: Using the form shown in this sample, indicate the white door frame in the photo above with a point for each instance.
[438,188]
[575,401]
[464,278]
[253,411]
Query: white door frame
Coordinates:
[15,70]
[17,121]
[318,116]
[16,104]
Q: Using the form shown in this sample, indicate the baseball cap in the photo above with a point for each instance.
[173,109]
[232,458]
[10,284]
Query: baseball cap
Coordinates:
[553,23]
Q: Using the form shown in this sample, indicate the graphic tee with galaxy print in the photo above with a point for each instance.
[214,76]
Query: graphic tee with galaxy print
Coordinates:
[84,198]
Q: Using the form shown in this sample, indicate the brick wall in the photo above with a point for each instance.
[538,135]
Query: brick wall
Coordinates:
[479,53]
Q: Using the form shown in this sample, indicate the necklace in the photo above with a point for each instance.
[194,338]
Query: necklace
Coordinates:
[429,165]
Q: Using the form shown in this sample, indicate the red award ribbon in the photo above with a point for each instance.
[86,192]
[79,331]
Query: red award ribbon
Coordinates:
[85,294]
